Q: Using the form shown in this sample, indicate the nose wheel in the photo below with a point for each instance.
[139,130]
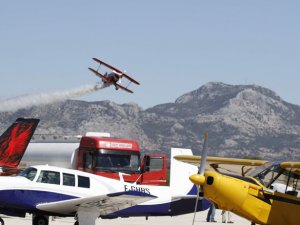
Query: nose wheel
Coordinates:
[1,221]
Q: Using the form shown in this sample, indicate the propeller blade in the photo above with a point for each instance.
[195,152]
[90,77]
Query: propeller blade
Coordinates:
[203,155]
[199,176]
[196,204]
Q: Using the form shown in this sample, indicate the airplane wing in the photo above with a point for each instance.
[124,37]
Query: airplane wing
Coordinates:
[232,165]
[293,167]
[98,74]
[107,65]
[124,88]
[104,204]
[130,78]
[195,160]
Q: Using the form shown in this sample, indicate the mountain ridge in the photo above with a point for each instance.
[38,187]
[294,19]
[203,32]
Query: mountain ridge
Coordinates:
[242,121]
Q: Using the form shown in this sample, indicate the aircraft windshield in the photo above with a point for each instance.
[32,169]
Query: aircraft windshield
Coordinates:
[117,162]
[260,169]
[29,173]
[272,176]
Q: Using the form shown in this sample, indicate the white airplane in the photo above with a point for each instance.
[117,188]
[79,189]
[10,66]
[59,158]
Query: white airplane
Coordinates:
[53,191]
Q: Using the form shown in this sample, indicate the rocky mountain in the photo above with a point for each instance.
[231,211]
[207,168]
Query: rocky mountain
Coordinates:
[242,121]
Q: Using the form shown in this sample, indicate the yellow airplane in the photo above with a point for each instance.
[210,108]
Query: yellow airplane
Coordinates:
[267,195]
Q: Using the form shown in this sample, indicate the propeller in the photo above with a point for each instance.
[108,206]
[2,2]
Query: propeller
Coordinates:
[199,178]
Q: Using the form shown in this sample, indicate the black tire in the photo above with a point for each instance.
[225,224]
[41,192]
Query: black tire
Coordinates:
[1,221]
[40,220]
[76,223]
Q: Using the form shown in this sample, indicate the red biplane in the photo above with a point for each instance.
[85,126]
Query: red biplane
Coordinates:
[113,77]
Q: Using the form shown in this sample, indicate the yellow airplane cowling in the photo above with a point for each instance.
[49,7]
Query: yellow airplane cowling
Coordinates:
[237,196]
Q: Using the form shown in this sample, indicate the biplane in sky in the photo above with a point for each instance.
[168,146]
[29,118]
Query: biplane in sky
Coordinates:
[114,77]
[268,195]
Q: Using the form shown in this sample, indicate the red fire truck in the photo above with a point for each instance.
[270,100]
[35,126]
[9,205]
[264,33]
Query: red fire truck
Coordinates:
[120,159]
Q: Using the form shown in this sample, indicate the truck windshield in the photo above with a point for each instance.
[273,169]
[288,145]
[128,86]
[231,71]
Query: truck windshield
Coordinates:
[117,162]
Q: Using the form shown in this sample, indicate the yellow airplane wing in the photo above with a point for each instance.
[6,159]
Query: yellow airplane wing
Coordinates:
[232,165]
[293,167]
[195,160]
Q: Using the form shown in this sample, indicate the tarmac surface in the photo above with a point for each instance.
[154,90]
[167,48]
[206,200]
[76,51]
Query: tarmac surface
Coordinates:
[176,220]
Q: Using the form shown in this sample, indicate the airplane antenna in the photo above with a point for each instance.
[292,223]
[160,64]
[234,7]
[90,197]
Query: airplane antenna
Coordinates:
[201,169]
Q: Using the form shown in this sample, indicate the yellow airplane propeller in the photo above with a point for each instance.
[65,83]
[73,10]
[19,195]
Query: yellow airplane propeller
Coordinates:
[201,171]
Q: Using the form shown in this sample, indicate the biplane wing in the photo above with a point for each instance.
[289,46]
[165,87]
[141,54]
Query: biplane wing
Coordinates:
[107,65]
[130,78]
[116,70]
[99,74]
[232,165]
[124,88]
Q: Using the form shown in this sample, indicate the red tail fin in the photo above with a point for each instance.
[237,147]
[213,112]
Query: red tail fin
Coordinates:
[14,141]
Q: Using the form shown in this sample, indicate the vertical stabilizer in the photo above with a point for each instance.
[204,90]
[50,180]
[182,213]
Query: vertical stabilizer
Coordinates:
[180,173]
[14,141]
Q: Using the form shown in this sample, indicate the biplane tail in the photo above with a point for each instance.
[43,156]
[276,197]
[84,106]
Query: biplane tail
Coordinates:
[14,141]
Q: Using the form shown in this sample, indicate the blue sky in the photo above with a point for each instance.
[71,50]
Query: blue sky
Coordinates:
[172,47]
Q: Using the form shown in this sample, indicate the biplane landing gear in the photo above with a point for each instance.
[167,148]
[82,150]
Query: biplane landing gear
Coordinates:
[1,221]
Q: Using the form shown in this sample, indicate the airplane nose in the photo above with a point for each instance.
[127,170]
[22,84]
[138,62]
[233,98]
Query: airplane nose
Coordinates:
[197,179]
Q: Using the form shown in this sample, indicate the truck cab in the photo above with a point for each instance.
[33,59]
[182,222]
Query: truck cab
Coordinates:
[120,159]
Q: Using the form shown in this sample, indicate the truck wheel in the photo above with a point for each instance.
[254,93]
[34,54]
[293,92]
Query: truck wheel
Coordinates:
[1,221]
[40,220]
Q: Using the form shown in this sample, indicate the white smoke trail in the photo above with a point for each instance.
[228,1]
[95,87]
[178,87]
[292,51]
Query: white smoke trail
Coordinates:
[20,102]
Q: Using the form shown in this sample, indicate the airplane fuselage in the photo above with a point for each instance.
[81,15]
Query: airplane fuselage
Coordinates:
[46,184]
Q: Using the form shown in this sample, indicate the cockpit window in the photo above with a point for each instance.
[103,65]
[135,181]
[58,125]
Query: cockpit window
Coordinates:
[68,179]
[49,177]
[29,173]
[260,169]
[267,174]
[83,182]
